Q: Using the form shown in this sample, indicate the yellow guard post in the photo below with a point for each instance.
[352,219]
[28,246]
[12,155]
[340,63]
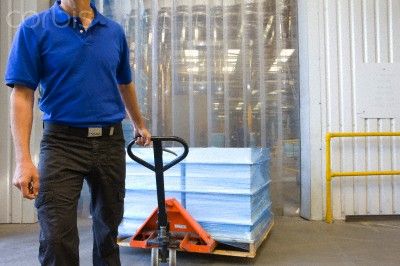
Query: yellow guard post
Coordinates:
[330,174]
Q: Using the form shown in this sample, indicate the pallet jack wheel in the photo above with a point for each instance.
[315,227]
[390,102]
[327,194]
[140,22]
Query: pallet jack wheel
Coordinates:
[172,257]
[155,257]
[155,260]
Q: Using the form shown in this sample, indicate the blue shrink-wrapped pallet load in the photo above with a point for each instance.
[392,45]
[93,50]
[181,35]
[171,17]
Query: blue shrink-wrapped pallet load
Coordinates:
[227,190]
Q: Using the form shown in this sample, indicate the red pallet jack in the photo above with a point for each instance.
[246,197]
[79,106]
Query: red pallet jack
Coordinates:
[170,226]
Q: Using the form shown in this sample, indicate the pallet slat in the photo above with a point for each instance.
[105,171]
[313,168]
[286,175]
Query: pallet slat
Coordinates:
[253,247]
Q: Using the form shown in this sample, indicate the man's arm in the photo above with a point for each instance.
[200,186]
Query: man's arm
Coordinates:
[26,176]
[129,97]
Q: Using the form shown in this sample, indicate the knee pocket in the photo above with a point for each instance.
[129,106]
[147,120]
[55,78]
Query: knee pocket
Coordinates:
[112,211]
[46,208]
[53,224]
[43,198]
[117,208]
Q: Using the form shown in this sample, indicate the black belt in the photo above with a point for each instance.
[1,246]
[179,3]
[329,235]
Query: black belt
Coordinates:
[89,132]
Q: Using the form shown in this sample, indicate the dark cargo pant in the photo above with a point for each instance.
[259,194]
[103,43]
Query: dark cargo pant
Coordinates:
[65,160]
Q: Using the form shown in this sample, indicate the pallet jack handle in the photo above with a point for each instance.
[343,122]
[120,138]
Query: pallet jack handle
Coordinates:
[187,234]
[163,239]
[158,142]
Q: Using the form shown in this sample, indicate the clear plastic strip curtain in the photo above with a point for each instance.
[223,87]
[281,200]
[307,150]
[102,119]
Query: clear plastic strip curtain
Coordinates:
[217,73]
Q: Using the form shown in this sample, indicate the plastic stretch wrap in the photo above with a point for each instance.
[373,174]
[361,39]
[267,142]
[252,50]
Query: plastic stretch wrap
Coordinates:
[141,203]
[243,233]
[225,189]
[228,208]
[227,178]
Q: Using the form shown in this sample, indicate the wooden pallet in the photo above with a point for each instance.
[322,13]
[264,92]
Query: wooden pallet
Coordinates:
[249,252]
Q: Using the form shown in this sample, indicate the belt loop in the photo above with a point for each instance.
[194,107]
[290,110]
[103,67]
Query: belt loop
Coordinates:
[111,131]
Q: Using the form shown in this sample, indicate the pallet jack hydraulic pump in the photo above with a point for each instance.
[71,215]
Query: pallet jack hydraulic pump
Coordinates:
[170,226]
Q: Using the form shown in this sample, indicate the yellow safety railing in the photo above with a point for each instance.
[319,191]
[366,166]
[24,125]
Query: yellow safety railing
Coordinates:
[331,174]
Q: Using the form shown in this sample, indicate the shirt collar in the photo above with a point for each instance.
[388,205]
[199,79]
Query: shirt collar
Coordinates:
[61,17]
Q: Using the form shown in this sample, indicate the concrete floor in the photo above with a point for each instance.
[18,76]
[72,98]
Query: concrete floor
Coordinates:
[293,242]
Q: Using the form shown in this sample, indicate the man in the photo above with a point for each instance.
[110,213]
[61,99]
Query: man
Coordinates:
[81,60]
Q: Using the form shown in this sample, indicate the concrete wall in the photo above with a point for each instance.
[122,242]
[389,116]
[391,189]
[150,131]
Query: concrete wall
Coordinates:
[13,209]
[349,58]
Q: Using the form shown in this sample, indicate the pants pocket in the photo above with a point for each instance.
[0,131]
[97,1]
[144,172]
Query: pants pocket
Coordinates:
[43,198]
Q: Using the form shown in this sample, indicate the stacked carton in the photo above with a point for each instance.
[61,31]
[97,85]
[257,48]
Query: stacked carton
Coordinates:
[225,189]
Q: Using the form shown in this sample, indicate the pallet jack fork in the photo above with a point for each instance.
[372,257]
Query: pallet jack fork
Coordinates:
[170,226]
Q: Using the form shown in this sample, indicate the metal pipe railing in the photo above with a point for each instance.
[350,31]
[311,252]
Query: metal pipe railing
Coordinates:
[330,174]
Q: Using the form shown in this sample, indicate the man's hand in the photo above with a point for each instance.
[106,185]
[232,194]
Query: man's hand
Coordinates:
[143,136]
[26,179]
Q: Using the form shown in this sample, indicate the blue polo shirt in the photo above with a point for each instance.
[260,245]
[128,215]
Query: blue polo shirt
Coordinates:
[79,71]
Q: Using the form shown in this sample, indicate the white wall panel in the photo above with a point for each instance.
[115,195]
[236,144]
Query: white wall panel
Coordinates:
[13,208]
[4,134]
[359,91]
[312,109]
[357,58]
[372,164]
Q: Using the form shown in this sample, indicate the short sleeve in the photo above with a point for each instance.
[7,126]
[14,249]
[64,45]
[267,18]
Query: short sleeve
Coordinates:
[23,66]
[124,74]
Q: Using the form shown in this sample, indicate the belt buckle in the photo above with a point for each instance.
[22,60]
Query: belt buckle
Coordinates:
[95,132]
